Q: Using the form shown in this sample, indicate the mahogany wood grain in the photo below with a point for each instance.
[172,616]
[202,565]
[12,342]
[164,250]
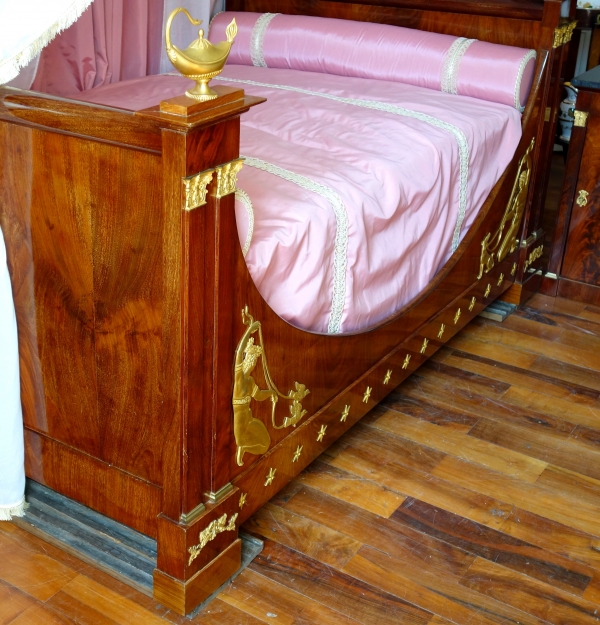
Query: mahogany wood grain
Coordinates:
[572,289]
[581,261]
[92,482]
[576,146]
[183,597]
[509,23]
[78,119]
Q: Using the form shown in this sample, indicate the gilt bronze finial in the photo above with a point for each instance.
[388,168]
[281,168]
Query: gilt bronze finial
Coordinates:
[201,60]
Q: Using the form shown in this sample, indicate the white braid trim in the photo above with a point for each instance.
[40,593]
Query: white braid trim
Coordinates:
[257,39]
[531,54]
[212,20]
[17,509]
[449,81]
[10,68]
[341,235]
[457,133]
[244,198]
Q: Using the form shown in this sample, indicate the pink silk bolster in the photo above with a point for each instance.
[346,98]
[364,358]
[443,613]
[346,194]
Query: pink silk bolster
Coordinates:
[487,71]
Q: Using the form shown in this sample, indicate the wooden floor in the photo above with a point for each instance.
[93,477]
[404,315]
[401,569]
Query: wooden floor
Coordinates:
[472,496]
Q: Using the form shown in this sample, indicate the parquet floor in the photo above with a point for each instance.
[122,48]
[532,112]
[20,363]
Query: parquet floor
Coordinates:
[471,496]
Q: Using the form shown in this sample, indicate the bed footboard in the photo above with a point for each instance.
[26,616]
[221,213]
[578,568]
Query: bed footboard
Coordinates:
[122,270]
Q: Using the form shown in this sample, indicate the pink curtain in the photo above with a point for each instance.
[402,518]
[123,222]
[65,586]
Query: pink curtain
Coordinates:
[113,40]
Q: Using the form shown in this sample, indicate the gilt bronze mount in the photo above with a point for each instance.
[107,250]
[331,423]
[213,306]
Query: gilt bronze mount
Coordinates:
[498,246]
[251,434]
[201,60]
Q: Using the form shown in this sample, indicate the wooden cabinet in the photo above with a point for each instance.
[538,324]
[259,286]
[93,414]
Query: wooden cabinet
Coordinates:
[574,264]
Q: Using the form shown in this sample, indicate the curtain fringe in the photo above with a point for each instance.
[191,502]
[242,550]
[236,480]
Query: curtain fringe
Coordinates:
[11,67]
[8,512]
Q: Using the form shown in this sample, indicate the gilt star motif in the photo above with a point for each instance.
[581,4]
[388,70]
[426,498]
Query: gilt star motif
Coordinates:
[270,477]
[388,376]
[297,453]
[243,500]
[367,394]
[321,434]
[345,413]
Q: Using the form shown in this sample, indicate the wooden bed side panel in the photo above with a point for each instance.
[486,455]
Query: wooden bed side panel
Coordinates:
[83,233]
[329,364]
[318,432]
[508,23]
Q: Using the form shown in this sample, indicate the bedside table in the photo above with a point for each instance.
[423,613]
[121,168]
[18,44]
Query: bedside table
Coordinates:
[574,262]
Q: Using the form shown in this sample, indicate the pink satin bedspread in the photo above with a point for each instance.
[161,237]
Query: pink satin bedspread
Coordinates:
[328,266]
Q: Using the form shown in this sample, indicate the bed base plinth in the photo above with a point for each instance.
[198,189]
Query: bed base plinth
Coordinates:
[183,597]
[198,553]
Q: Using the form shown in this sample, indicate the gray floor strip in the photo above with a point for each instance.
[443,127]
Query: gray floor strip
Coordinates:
[110,546]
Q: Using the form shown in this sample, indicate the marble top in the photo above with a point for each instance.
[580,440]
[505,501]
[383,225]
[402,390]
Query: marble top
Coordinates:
[589,79]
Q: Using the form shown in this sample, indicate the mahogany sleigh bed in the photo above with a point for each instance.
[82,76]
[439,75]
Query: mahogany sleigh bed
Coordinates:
[134,320]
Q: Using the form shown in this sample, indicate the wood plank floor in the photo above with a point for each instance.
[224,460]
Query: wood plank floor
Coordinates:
[470,496]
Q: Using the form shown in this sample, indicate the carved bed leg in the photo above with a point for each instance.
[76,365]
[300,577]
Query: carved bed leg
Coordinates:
[198,545]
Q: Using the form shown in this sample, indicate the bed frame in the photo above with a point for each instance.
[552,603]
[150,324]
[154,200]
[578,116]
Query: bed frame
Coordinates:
[135,307]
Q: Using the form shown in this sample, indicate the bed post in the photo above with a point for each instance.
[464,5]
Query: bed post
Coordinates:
[198,545]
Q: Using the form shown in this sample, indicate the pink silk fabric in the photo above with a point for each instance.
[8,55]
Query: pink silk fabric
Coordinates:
[346,48]
[398,177]
[113,40]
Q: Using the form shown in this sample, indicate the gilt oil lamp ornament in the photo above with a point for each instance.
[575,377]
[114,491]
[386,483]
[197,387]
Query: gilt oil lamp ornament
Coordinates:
[201,60]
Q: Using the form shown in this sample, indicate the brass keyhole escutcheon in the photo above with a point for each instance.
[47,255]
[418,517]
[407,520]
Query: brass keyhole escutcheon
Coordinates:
[582,198]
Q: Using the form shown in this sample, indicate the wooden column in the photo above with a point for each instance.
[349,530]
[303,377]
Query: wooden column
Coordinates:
[198,547]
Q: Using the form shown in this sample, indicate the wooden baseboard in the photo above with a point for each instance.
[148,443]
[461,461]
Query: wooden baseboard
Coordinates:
[183,597]
[579,291]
